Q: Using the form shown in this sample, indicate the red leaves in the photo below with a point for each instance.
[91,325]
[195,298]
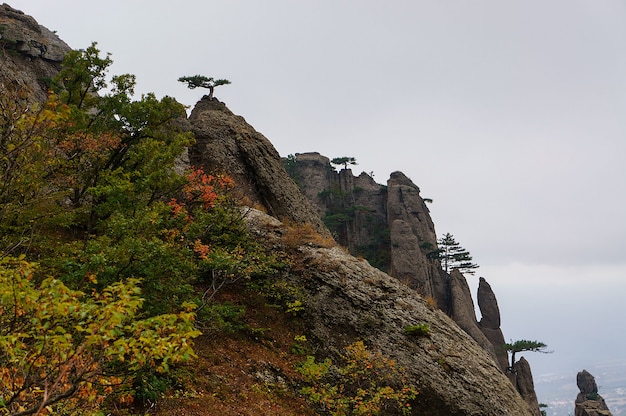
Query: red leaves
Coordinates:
[203,188]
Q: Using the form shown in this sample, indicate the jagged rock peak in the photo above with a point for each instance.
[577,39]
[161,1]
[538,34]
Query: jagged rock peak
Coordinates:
[29,52]
[226,143]
[588,401]
[490,321]
[413,237]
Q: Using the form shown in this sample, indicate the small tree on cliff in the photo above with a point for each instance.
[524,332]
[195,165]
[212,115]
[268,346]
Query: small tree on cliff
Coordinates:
[525,345]
[200,81]
[453,256]
[345,161]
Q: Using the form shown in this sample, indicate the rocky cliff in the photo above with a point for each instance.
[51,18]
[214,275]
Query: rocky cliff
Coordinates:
[225,143]
[390,226]
[456,370]
[346,298]
[29,53]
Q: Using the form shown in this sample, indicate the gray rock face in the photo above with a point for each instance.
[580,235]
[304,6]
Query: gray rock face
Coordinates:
[463,311]
[389,225]
[490,322]
[522,378]
[225,143]
[412,238]
[589,402]
[28,53]
[349,300]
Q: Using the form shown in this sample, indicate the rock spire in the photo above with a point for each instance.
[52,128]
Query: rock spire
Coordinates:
[589,402]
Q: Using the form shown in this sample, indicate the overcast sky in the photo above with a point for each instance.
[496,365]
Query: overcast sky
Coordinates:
[510,115]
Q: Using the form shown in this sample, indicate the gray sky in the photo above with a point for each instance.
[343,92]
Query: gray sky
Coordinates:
[510,115]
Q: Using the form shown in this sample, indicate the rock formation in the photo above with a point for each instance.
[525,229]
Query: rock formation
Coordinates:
[522,379]
[29,53]
[410,237]
[388,225]
[462,311]
[490,322]
[413,237]
[226,143]
[348,300]
[588,401]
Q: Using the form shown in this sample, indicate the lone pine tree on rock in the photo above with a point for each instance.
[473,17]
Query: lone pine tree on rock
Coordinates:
[200,81]
[345,161]
[525,345]
[453,256]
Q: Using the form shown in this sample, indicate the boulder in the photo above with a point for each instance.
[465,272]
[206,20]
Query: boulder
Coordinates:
[588,401]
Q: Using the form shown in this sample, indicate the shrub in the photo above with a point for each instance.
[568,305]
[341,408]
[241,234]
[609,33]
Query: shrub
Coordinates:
[367,384]
[420,330]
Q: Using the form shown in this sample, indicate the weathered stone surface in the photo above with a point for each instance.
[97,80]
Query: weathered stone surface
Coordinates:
[349,300]
[226,143]
[522,378]
[314,174]
[29,53]
[586,382]
[490,322]
[488,305]
[406,210]
[359,199]
[589,402]
[462,311]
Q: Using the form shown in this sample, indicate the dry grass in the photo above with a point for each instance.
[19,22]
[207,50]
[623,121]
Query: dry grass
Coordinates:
[301,234]
[243,375]
[431,302]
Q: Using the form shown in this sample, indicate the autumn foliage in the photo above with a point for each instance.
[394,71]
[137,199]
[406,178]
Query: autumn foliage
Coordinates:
[101,242]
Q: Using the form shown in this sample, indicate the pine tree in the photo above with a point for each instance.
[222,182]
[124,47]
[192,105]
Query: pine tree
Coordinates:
[200,81]
[453,256]
[345,161]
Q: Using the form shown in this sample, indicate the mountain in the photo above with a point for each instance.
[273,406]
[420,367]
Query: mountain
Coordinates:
[408,310]
[348,299]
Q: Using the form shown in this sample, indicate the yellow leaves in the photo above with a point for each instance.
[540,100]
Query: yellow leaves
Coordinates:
[92,278]
[369,383]
[70,333]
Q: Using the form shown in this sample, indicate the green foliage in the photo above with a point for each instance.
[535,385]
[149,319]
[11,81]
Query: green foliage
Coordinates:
[58,344]
[89,186]
[452,255]
[280,292]
[367,384]
[290,164]
[345,161]
[419,330]
[299,346]
[222,317]
[200,81]
[525,345]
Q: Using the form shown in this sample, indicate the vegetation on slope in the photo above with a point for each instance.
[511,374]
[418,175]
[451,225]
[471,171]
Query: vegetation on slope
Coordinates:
[112,262]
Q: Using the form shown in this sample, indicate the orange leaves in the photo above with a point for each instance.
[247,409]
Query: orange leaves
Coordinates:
[204,188]
[202,250]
